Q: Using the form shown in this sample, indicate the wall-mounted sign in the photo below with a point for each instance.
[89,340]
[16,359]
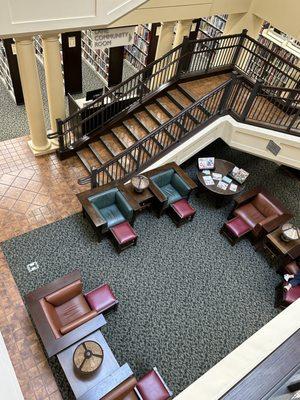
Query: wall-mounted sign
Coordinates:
[273,147]
[72,41]
[104,38]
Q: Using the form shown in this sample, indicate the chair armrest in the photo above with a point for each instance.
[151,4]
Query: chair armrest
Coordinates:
[94,215]
[188,180]
[79,321]
[124,206]
[157,193]
[271,223]
[244,198]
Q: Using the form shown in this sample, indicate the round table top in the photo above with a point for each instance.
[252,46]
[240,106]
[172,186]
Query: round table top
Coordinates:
[88,357]
[221,167]
[140,182]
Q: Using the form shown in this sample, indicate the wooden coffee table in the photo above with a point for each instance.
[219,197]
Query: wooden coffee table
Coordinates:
[281,252]
[104,379]
[221,167]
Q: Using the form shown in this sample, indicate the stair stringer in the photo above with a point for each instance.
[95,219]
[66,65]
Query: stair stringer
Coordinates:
[244,137]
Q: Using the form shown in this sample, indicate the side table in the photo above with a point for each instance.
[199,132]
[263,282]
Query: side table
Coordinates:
[281,252]
[144,199]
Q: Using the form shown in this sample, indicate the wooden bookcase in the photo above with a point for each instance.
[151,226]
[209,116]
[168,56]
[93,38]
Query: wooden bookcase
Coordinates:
[210,27]
[9,70]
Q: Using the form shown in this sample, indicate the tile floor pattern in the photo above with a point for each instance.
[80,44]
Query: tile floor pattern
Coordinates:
[35,191]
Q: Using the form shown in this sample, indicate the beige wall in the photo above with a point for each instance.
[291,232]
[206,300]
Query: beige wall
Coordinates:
[283,14]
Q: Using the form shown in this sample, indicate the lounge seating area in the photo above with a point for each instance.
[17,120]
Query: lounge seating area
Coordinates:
[72,309]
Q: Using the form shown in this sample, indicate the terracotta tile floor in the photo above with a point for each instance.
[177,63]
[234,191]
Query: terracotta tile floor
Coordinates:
[33,193]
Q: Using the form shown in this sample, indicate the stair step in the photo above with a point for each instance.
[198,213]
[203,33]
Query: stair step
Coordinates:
[113,145]
[124,136]
[157,113]
[135,128]
[179,97]
[169,104]
[88,159]
[187,93]
[153,146]
[146,121]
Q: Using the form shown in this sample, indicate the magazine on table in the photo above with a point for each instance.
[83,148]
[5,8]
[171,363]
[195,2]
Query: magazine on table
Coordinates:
[208,180]
[217,176]
[222,185]
[226,179]
[233,187]
[239,175]
[206,172]
[206,163]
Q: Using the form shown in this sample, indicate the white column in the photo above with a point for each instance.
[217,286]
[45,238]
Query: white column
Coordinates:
[54,78]
[182,29]
[166,37]
[39,142]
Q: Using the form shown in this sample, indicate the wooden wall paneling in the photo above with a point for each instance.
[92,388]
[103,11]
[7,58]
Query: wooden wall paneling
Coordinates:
[72,63]
[14,70]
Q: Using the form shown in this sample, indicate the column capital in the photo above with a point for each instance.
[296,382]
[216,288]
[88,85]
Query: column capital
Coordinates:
[50,37]
[23,41]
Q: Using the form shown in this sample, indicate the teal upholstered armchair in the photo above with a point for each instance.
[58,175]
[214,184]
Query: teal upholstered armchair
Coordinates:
[112,208]
[169,186]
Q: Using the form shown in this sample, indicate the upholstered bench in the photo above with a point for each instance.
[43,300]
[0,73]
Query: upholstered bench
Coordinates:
[181,211]
[101,299]
[123,235]
[235,229]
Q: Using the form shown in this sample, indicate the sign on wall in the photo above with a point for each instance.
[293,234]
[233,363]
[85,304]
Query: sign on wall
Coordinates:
[104,38]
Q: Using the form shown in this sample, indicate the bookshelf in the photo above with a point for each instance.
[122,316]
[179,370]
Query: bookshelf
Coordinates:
[4,71]
[282,45]
[9,70]
[98,60]
[137,53]
[212,26]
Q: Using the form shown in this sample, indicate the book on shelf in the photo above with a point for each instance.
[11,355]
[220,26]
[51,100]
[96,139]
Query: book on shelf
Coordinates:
[239,175]
[206,163]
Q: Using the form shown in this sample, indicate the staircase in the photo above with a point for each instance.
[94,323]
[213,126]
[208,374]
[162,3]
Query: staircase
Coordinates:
[136,122]
[145,120]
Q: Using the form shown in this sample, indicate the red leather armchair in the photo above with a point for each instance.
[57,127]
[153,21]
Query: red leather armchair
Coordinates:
[261,211]
[62,313]
[150,387]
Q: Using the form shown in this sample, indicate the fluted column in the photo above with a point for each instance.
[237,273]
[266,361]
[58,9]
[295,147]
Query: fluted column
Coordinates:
[166,37]
[182,29]
[54,78]
[39,142]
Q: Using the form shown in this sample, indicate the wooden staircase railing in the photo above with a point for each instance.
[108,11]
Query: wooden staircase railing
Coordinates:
[259,104]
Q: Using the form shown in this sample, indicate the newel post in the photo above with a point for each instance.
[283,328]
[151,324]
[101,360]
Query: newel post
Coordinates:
[224,103]
[239,47]
[185,56]
[254,93]
[60,138]
[94,181]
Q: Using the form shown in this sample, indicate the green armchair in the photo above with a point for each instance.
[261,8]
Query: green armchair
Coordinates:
[112,207]
[170,184]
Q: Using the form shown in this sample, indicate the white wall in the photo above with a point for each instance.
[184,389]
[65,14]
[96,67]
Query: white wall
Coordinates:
[31,16]
[247,138]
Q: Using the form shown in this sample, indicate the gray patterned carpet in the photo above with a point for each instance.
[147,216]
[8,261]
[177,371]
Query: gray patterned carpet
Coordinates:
[17,126]
[187,298]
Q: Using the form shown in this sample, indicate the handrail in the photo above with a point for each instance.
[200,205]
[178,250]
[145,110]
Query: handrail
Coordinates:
[226,98]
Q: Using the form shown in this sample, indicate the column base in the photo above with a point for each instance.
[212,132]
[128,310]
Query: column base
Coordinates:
[41,152]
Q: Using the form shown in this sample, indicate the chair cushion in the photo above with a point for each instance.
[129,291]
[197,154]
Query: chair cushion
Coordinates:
[249,214]
[123,233]
[292,295]
[183,208]
[72,309]
[237,226]
[101,298]
[265,206]
[112,215]
[151,387]
[163,178]
[171,193]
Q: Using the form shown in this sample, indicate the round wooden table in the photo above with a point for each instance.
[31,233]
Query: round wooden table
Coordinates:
[88,357]
[221,167]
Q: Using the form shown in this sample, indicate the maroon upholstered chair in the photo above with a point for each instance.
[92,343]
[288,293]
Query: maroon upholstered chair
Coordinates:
[292,268]
[149,387]
[261,212]
[60,308]
[283,298]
